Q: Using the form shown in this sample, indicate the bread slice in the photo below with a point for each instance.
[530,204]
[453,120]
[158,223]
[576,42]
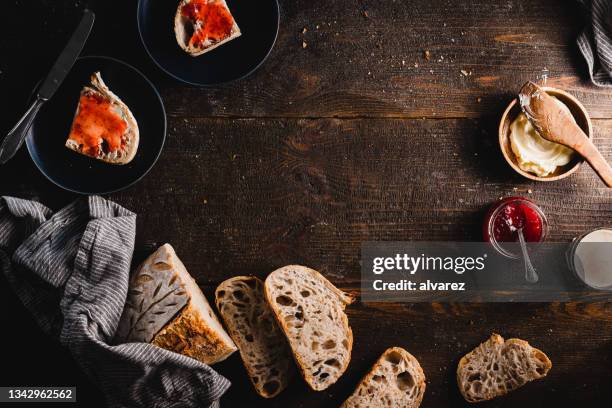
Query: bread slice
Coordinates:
[497,367]
[166,307]
[251,324]
[395,380]
[310,310]
[203,25]
[103,126]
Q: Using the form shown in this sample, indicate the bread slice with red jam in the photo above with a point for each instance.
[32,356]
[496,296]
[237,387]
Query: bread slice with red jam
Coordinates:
[103,126]
[203,25]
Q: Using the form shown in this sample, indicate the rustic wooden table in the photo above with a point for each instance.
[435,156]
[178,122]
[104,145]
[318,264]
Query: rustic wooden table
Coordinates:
[347,133]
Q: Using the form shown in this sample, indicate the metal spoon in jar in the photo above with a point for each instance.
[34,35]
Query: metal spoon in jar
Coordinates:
[531,275]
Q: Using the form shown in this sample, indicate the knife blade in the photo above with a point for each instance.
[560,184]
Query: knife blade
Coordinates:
[66,59]
[13,141]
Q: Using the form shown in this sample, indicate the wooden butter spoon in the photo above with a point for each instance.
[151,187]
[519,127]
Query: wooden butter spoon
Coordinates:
[555,124]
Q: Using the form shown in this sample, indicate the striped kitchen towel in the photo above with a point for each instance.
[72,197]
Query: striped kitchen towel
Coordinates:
[71,271]
[595,41]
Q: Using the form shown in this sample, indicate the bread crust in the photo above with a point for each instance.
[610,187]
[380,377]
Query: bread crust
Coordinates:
[132,134]
[156,295]
[180,30]
[419,381]
[538,366]
[345,300]
[189,335]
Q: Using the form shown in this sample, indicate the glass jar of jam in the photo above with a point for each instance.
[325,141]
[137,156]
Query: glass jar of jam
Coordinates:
[506,217]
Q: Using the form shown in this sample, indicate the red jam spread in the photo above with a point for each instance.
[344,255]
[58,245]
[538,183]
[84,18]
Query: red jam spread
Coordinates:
[216,21]
[505,218]
[96,122]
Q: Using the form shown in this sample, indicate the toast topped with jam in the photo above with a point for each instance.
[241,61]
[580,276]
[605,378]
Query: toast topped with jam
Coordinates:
[202,25]
[103,126]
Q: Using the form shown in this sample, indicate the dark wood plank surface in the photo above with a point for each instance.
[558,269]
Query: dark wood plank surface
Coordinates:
[340,142]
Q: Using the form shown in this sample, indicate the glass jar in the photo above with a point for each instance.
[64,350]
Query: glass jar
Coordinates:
[589,257]
[505,217]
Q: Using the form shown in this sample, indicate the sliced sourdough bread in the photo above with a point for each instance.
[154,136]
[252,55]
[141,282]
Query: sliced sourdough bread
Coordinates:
[310,311]
[166,307]
[203,25]
[497,367]
[242,303]
[395,380]
[103,126]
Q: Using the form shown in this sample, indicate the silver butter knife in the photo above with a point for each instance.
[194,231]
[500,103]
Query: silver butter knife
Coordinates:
[13,141]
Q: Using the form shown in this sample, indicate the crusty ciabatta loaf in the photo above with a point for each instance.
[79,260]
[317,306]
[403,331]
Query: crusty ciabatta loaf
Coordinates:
[310,310]
[497,367]
[395,380]
[103,126]
[166,307]
[203,25]
[251,324]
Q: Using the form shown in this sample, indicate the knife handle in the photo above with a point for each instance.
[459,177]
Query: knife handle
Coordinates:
[13,141]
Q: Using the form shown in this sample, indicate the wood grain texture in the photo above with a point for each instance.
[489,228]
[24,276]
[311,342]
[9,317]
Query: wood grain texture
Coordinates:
[375,66]
[263,193]
[327,146]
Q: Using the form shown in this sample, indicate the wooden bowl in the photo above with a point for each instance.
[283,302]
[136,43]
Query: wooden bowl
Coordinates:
[580,115]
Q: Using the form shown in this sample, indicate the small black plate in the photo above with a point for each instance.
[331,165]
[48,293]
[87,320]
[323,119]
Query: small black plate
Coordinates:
[258,21]
[81,174]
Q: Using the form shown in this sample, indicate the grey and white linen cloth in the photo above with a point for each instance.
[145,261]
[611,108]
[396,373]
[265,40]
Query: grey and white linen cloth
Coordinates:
[595,41]
[71,271]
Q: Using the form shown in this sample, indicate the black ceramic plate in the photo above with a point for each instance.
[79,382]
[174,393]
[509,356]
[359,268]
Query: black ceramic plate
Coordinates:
[258,21]
[82,174]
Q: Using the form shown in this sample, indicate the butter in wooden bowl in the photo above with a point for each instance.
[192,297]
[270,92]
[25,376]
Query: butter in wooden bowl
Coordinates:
[533,153]
[532,156]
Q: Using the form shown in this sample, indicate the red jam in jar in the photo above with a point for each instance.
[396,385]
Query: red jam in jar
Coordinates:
[507,216]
